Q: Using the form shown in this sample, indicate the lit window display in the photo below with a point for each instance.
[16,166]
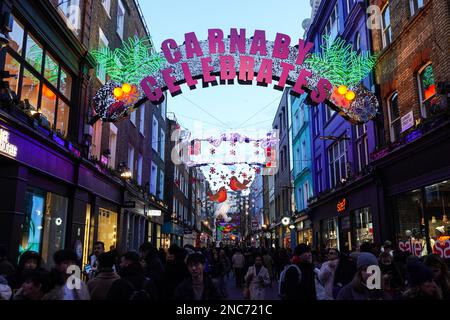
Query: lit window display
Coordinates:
[438,208]
[107,228]
[330,237]
[44,227]
[363,226]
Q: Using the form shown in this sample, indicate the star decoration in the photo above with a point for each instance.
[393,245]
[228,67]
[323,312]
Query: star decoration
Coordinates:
[222,177]
[212,170]
[212,151]
[257,170]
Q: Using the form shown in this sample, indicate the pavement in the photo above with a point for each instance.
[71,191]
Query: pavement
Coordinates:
[237,293]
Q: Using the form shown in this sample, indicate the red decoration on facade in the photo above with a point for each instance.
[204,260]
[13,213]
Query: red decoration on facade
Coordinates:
[341,205]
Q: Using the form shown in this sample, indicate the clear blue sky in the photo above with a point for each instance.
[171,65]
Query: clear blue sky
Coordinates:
[231,106]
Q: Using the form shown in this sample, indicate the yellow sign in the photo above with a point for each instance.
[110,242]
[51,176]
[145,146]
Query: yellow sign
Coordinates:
[5,146]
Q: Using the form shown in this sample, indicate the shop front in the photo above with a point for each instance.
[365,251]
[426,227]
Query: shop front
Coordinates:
[172,233]
[344,220]
[303,229]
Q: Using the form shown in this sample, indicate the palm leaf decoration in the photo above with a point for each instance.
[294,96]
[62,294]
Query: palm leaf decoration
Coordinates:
[131,62]
[340,64]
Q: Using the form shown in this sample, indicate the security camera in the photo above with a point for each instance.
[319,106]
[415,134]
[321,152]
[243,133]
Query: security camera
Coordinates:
[3,40]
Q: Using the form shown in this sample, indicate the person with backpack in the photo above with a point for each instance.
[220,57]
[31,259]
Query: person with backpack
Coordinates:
[298,280]
[133,284]
[257,279]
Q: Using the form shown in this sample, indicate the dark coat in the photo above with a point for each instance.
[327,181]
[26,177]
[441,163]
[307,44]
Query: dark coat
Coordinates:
[306,290]
[132,280]
[184,291]
[176,273]
[356,291]
[100,285]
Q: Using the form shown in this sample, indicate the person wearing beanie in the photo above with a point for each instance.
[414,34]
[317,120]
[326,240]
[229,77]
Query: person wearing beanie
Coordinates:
[358,289]
[60,290]
[421,284]
[306,288]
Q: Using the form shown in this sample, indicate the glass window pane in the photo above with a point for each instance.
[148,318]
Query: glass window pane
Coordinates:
[32,226]
[54,228]
[51,70]
[48,104]
[16,37]
[30,89]
[34,53]
[13,67]
[62,121]
[65,85]
[107,228]
[428,85]
[438,209]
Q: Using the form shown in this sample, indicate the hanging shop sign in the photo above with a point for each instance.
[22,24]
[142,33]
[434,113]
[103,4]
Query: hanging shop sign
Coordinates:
[341,205]
[129,205]
[139,74]
[407,121]
[5,146]
[154,213]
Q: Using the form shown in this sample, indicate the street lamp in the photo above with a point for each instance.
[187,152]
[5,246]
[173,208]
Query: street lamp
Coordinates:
[125,172]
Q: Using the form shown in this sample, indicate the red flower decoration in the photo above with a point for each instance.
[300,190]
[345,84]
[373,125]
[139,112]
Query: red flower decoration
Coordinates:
[257,170]
[257,152]
[212,170]
[244,175]
[222,177]
[212,151]
[233,152]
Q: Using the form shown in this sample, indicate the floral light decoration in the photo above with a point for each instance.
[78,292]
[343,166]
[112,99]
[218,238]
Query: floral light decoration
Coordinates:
[126,67]
[343,67]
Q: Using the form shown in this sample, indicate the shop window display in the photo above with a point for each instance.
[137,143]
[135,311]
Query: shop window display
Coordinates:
[44,226]
[107,228]
[330,237]
[438,208]
[363,226]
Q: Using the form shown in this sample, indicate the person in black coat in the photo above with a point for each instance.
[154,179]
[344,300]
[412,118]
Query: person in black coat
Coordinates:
[198,286]
[306,289]
[133,284]
[153,267]
[345,272]
[176,269]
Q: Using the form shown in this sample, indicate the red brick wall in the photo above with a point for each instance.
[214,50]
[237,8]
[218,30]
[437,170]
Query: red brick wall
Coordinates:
[423,38]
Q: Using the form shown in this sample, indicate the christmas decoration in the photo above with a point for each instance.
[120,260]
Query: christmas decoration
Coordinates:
[220,196]
[235,185]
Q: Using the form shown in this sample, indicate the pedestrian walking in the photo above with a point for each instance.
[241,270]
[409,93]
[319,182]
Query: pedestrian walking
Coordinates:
[421,284]
[441,274]
[257,279]
[327,272]
[238,261]
[106,276]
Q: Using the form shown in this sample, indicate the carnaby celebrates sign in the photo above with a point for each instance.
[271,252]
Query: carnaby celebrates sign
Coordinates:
[236,57]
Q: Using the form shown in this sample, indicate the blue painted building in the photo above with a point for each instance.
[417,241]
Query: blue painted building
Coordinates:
[342,175]
[302,169]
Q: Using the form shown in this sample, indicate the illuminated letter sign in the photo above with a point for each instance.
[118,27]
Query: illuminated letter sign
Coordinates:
[341,205]
[5,146]
[333,76]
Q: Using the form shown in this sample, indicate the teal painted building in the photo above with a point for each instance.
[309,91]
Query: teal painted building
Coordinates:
[302,169]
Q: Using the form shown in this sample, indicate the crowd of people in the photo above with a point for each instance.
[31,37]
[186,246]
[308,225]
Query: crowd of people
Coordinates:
[188,273]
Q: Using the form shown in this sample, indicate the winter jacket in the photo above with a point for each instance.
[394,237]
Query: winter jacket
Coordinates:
[5,290]
[176,273]
[306,290]
[185,292]
[62,292]
[238,260]
[326,277]
[355,290]
[132,280]
[100,285]
[257,282]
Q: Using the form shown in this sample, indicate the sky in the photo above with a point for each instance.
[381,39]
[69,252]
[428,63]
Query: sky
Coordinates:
[224,107]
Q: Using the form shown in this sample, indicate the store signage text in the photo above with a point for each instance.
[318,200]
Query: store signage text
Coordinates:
[341,205]
[411,246]
[5,146]
[442,248]
[407,121]
[154,213]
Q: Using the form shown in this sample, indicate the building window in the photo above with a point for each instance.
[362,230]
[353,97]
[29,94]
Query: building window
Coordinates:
[142,119]
[362,146]
[131,159]
[329,114]
[139,170]
[358,42]
[394,117]
[330,234]
[163,144]
[298,163]
[70,10]
[415,5]
[112,144]
[120,19]
[107,228]
[303,155]
[44,225]
[107,6]
[363,226]
[331,28]
[297,124]
[155,141]
[306,194]
[102,43]
[163,110]
[319,174]
[133,118]
[45,84]
[302,115]
[161,185]
[427,89]
[349,6]
[337,156]
[153,178]
[316,122]
[386,25]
